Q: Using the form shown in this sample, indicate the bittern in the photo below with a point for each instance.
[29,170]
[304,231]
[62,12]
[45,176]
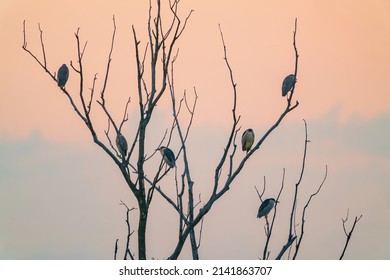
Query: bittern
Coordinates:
[62,75]
[288,84]
[247,139]
[121,144]
[168,156]
[266,207]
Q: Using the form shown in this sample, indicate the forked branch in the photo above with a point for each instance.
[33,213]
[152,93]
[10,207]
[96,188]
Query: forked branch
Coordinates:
[297,247]
[348,234]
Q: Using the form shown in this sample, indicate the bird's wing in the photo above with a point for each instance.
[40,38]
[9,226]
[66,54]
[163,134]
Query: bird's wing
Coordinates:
[124,143]
[62,75]
[262,207]
[244,138]
[170,156]
[285,86]
[251,137]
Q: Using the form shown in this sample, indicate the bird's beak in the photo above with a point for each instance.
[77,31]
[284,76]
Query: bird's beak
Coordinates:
[277,201]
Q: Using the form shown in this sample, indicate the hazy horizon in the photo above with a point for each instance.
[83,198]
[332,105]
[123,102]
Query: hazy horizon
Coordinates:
[60,193]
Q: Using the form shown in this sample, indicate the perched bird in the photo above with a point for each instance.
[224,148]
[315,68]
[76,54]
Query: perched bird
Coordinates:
[62,75]
[265,207]
[121,144]
[288,84]
[247,139]
[168,156]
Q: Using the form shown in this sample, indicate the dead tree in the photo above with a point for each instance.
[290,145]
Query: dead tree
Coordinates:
[161,42]
[130,154]
[160,49]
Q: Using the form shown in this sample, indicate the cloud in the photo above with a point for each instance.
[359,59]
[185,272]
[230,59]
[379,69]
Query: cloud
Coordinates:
[61,200]
[55,202]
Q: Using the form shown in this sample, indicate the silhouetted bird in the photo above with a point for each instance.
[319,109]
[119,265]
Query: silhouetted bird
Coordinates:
[288,84]
[62,75]
[168,156]
[266,207]
[247,139]
[121,144]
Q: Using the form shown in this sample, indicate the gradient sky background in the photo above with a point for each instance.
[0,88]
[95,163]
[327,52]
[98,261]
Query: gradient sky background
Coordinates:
[60,194]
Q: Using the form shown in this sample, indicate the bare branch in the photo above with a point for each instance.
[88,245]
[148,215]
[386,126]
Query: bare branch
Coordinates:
[296,62]
[293,209]
[103,105]
[82,52]
[107,132]
[179,198]
[233,153]
[140,71]
[125,115]
[170,201]
[186,172]
[266,253]
[260,195]
[167,52]
[92,93]
[304,212]
[43,46]
[174,12]
[116,248]
[129,231]
[109,60]
[235,119]
[285,247]
[348,234]
[200,233]
[192,112]
[24,47]
[81,75]
[43,65]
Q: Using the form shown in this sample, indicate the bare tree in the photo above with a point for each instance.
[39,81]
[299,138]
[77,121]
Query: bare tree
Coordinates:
[161,52]
[161,42]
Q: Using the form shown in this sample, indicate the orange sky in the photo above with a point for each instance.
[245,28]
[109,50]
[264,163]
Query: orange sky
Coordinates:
[343,56]
[342,89]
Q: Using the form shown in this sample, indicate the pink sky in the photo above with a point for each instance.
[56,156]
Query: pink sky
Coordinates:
[342,89]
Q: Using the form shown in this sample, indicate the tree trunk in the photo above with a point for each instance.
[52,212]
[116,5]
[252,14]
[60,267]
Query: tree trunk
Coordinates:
[194,246]
[143,216]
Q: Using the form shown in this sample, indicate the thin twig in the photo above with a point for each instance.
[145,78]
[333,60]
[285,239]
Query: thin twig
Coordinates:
[109,60]
[348,234]
[116,248]
[92,93]
[304,212]
[293,209]
[200,233]
[235,119]
[43,46]
[260,195]
[266,253]
[125,114]
[129,231]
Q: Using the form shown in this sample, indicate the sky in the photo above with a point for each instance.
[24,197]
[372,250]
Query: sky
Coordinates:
[60,194]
